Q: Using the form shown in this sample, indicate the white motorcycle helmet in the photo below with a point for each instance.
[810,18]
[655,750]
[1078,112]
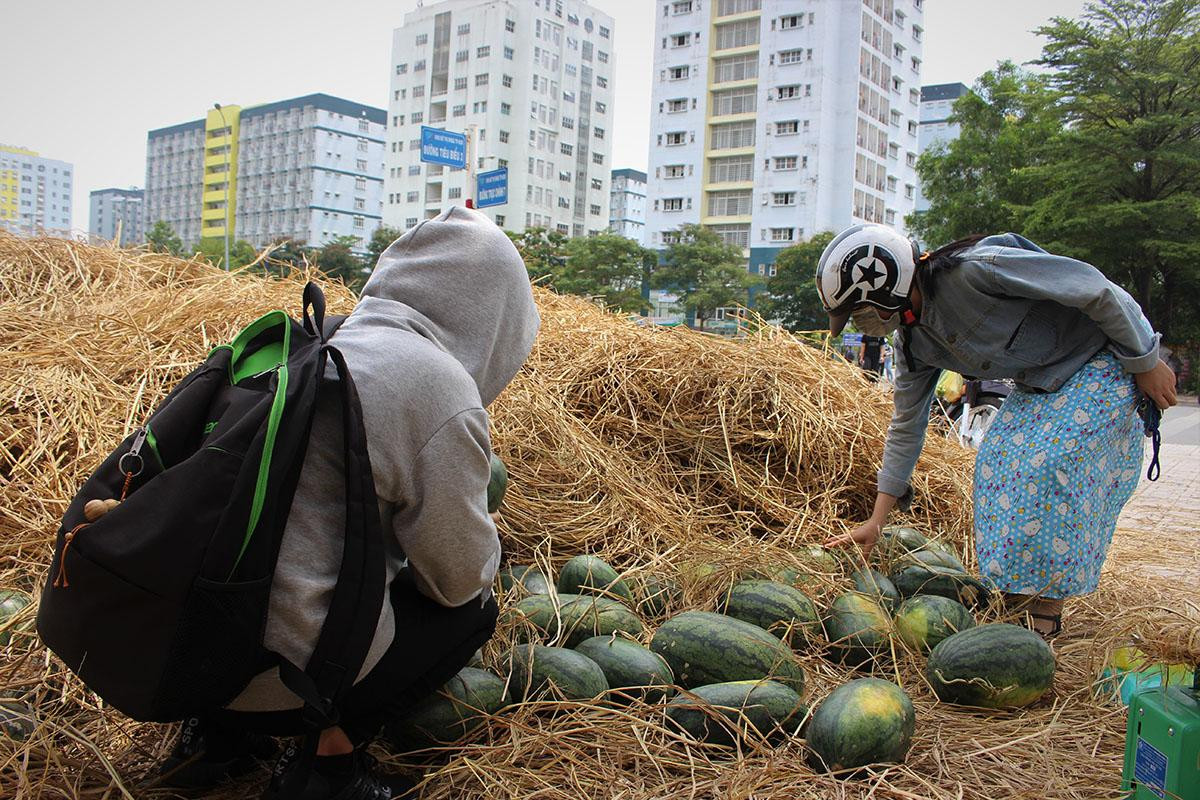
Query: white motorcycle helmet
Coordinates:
[865,264]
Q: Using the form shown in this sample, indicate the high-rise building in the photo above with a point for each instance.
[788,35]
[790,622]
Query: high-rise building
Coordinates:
[308,169]
[774,120]
[116,211]
[35,193]
[534,80]
[627,204]
[937,101]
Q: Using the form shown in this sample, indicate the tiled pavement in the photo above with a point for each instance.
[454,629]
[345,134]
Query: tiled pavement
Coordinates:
[1160,526]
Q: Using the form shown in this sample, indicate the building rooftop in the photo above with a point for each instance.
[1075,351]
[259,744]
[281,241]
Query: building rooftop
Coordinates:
[942,91]
[626,172]
[321,101]
[132,192]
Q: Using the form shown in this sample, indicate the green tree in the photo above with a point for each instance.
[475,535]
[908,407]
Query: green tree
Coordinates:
[792,293]
[1122,190]
[607,265]
[288,254]
[241,252]
[543,251]
[976,183]
[383,236]
[163,239]
[707,272]
[337,259]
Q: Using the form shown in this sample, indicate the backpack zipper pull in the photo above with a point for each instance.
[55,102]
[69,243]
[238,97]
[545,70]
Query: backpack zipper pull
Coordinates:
[135,452]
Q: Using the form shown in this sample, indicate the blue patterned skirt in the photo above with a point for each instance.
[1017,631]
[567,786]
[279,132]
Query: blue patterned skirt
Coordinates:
[1051,477]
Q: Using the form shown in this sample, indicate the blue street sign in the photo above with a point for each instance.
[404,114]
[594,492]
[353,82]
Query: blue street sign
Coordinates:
[492,189]
[851,339]
[443,147]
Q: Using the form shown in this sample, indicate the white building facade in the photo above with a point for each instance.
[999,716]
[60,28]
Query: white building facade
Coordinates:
[309,169]
[773,120]
[35,193]
[116,212]
[627,204]
[533,81]
[937,103]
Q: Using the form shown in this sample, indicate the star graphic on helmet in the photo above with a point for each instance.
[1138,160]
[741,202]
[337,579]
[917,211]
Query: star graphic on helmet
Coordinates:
[869,272]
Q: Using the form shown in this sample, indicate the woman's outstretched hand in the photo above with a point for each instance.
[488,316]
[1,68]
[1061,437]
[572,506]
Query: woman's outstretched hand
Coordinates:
[1158,384]
[864,536]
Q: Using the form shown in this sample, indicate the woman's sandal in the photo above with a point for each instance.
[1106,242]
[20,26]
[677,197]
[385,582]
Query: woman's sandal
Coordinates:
[1055,621]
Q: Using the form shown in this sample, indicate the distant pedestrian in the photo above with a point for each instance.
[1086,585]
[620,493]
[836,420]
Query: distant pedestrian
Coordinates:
[889,373]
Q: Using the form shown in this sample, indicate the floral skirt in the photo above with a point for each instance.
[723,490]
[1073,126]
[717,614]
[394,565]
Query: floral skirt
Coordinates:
[1053,473]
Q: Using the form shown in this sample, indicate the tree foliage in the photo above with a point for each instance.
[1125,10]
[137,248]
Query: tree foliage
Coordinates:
[212,250]
[792,293]
[543,251]
[337,259]
[383,236]
[163,239]
[606,265]
[707,272]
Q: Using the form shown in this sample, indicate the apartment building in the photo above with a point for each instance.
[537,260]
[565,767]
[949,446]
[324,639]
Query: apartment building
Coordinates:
[35,193]
[116,212]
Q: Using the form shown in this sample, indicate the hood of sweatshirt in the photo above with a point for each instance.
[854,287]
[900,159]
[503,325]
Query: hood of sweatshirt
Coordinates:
[458,281]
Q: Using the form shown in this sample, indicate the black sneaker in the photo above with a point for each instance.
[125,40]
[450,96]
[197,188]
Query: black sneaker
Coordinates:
[201,761]
[348,777]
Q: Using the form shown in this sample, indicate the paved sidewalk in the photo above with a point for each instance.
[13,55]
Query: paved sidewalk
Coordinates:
[1160,526]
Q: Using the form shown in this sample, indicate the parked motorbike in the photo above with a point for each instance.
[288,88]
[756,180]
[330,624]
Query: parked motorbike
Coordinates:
[969,406]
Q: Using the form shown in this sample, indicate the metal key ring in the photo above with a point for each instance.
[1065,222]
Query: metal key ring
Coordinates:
[141,465]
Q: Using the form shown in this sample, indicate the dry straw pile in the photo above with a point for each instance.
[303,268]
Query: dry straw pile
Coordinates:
[658,450]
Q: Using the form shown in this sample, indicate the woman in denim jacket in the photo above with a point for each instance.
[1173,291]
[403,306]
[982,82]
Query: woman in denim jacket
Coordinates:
[1064,454]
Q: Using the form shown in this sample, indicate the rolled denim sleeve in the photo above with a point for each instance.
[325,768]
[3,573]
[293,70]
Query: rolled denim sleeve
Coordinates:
[906,433]
[1076,284]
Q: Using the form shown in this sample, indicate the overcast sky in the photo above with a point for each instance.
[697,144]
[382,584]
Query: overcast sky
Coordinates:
[87,80]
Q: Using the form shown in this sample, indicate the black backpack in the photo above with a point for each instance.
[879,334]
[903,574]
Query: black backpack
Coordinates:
[160,605]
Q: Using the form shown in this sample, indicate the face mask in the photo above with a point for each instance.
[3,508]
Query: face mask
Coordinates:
[867,320]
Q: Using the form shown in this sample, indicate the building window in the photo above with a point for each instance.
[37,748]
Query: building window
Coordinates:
[358,222]
[510,25]
[419,66]
[735,68]
[908,191]
[790,21]
[680,39]
[676,138]
[735,234]
[601,107]
[912,127]
[401,69]
[791,57]
[733,134]
[460,110]
[787,92]
[681,7]
[785,162]
[597,183]
[460,83]
[672,204]
[734,101]
[598,132]
[604,32]
[783,198]
[594,209]
[503,137]
[361,164]
[454,192]
[602,56]
[729,204]
[911,159]
[917,31]
[360,184]
[602,81]
[483,52]
[677,105]
[359,204]
[727,7]
[677,73]
[481,79]
[786,127]
[464,29]
[422,38]
[505,108]
[566,149]
[479,107]
[508,53]
[737,34]
[461,56]
[506,81]
[734,168]
[418,117]
[597,158]
[413,197]
[362,145]
[782,234]
[419,91]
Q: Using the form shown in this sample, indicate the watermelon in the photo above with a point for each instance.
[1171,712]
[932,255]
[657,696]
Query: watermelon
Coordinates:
[497,484]
[926,619]
[627,665]
[772,709]
[572,675]
[591,575]
[866,721]
[858,628]
[929,579]
[895,540]
[821,559]
[11,603]
[452,713]
[776,607]
[530,579]
[933,558]
[476,660]
[991,666]
[17,720]
[875,584]
[656,595]
[702,647]
[577,617]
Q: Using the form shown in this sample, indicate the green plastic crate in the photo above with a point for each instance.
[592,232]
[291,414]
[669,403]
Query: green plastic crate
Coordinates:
[1162,745]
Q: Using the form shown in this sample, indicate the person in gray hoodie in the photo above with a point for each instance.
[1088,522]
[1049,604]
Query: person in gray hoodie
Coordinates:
[445,321]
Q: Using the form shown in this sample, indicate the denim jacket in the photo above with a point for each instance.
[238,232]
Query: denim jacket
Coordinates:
[1009,310]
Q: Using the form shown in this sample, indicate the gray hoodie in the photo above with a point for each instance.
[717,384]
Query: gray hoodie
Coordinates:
[444,323]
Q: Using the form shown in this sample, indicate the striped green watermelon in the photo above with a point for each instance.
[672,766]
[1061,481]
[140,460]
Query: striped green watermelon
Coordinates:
[452,713]
[17,720]
[476,660]
[497,484]
[712,713]
[866,721]
[991,666]
[875,584]
[930,579]
[530,579]
[591,575]
[11,603]
[702,647]
[934,558]
[630,667]
[574,617]
[775,607]
[572,675]
[820,558]
[858,628]
[926,619]
[656,595]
